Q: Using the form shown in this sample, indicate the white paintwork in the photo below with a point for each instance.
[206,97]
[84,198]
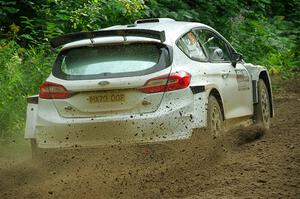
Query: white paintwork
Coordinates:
[125,85]
[31,115]
[171,115]
[235,103]
[170,123]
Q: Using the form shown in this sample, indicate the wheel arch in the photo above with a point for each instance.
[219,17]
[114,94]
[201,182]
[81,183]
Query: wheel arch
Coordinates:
[266,78]
[214,92]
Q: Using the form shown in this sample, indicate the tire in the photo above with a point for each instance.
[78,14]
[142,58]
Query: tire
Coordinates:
[214,116]
[262,108]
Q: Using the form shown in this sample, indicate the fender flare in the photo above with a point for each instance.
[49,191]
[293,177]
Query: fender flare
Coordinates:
[202,92]
[264,75]
[211,89]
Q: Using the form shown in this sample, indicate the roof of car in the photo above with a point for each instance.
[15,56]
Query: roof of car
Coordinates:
[173,29]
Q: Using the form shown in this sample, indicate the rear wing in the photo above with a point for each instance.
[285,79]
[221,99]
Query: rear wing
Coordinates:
[64,39]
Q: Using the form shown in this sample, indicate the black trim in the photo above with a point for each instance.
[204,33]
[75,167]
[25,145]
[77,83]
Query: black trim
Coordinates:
[197,89]
[64,39]
[153,20]
[254,91]
[33,99]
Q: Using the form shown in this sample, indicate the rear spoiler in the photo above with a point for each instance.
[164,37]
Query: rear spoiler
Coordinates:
[64,39]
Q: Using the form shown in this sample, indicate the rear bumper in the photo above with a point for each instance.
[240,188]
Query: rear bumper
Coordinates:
[122,131]
[172,121]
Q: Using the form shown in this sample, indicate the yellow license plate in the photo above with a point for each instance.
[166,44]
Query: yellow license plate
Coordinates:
[106,98]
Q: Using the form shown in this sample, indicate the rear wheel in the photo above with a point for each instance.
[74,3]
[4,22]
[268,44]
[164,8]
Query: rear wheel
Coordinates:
[262,108]
[214,116]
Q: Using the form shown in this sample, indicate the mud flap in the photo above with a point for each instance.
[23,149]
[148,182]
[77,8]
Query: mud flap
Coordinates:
[31,117]
[200,110]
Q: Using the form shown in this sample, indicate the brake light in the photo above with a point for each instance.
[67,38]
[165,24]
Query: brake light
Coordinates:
[50,90]
[174,81]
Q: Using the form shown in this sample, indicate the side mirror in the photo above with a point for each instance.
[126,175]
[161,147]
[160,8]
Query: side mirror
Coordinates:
[236,57]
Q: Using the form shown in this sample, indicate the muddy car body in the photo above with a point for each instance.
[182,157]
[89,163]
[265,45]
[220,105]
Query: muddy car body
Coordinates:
[152,81]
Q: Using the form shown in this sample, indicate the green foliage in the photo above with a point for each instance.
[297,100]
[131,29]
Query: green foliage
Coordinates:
[270,41]
[53,17]
[266,31]
[264,42]
[22,70]
[7,8]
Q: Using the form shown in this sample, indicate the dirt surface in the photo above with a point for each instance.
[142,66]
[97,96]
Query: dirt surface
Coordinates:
[241,164]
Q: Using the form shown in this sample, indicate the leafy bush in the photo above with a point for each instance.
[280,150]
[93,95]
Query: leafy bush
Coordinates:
[22,70]
[263,42]
[50,18]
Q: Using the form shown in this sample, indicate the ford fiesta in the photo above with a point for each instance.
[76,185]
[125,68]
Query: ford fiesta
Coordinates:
[151,81]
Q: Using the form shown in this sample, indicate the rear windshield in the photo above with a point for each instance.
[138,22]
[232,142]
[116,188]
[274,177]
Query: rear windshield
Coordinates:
[111,61]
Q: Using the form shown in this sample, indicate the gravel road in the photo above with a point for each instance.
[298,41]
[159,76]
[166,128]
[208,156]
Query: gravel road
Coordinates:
[241,164]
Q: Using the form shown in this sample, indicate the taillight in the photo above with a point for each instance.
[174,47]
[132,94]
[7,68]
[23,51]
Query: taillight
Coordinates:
[174,81]
[50,90]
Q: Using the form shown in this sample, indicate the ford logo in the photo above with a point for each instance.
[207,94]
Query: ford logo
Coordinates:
[103,83]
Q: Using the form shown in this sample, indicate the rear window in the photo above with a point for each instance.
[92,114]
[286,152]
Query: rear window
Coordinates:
[111,61]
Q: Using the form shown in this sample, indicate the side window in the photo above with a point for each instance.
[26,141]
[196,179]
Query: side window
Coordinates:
[216,47]
[191,47]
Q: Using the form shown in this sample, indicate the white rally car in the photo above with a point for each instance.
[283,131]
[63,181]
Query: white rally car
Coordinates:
[151,81]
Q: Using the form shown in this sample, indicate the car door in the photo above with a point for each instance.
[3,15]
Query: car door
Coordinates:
[233,82]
